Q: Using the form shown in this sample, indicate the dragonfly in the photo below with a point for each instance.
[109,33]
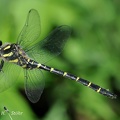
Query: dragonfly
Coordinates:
[29,53]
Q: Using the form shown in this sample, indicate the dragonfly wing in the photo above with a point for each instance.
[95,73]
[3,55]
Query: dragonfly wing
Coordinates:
[51,46]
[47,48]
[34,84]
[8,75]
[30,31]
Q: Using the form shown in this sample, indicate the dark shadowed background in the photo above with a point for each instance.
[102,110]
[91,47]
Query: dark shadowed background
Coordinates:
[92,52]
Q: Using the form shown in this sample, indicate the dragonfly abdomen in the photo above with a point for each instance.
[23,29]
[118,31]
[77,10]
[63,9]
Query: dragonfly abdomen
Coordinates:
[84,82]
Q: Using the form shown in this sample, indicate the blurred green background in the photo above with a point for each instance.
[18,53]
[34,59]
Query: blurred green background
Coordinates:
[92,52]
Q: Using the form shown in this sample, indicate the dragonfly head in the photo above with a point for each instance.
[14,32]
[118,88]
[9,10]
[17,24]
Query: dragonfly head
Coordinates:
[0,43]
[0,46]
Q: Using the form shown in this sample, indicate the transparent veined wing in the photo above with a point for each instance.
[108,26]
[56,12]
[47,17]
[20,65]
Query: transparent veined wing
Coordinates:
[31,30]
[8,75]
[40,51]
[51,46]
[34,84]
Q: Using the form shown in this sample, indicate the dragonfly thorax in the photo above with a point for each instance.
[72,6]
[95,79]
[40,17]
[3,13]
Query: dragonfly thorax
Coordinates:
[13,53]
[9,51]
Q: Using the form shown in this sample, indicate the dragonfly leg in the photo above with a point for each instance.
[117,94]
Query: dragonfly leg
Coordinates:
[1,65]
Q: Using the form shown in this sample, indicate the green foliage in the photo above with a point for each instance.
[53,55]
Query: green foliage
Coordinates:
[92,52]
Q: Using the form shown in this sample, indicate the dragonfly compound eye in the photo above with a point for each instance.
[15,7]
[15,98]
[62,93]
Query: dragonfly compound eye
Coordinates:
[0,42]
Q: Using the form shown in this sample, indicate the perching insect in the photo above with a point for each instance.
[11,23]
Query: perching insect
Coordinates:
[29,53]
